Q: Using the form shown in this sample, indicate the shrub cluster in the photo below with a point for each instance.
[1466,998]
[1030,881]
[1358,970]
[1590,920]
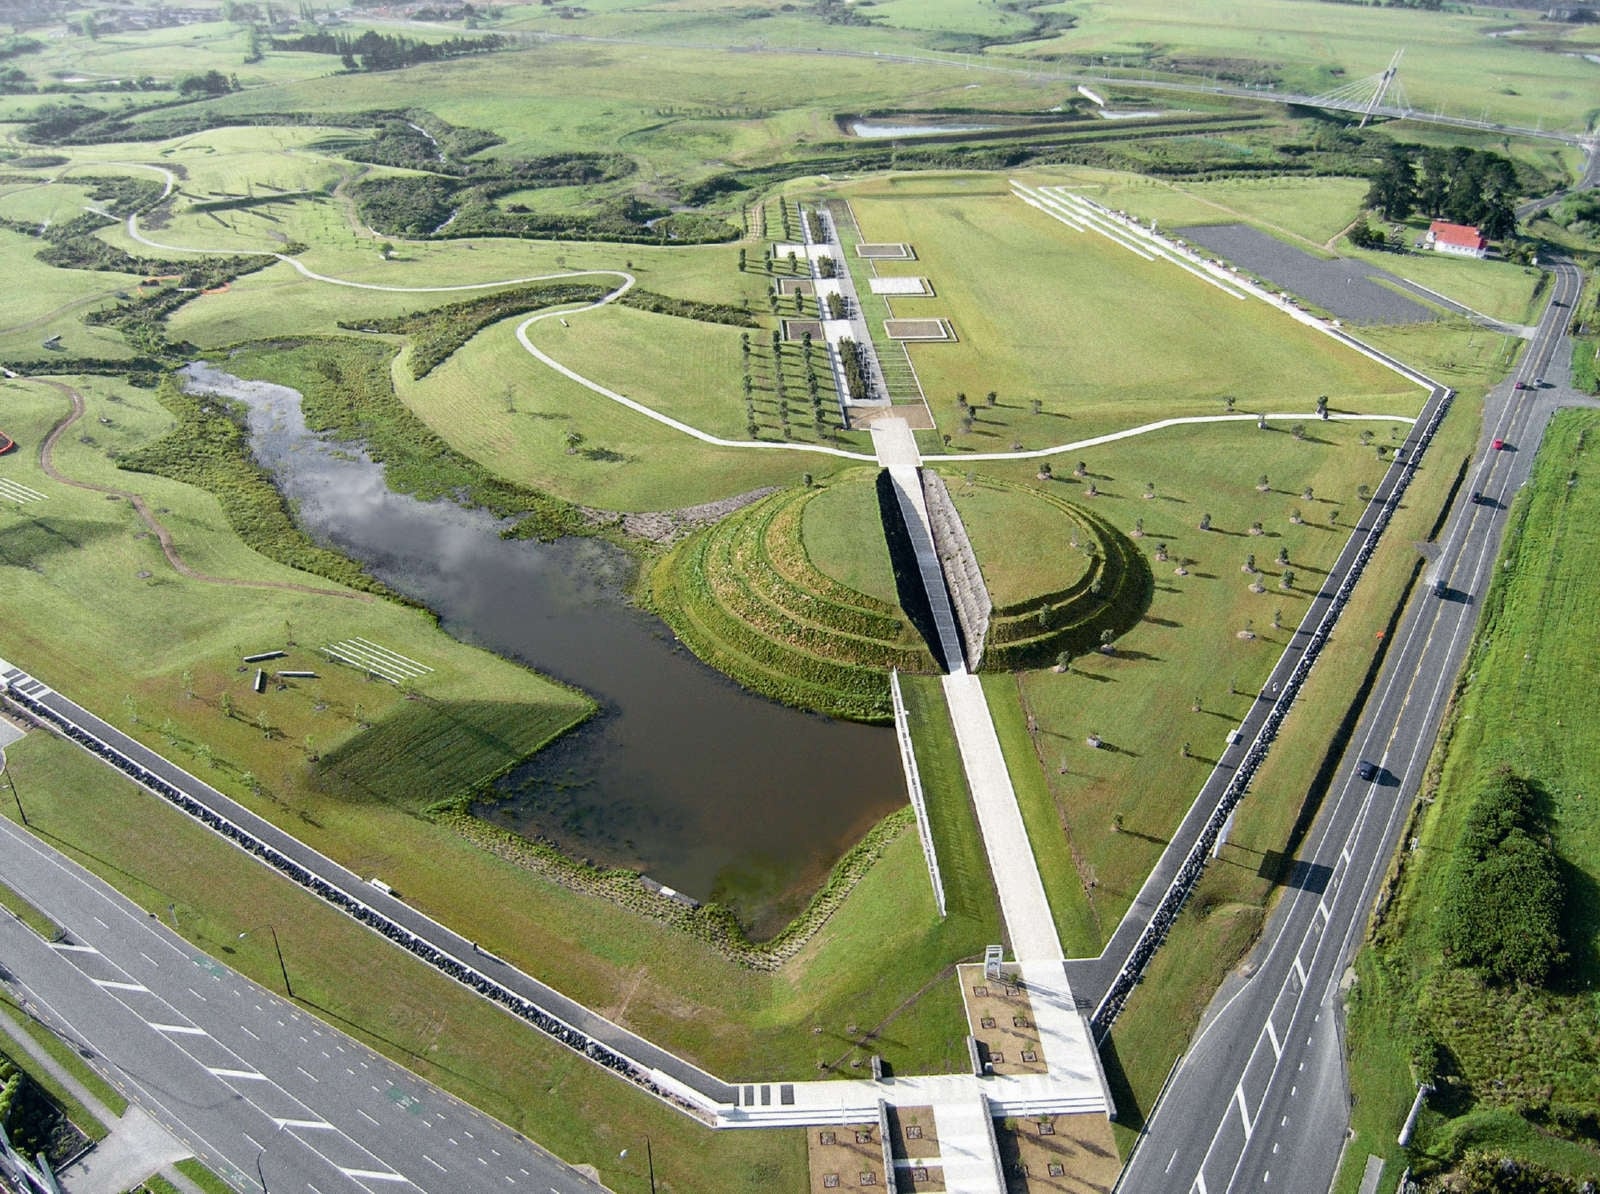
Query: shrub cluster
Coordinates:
[436,334]
[662,304]
[1503,906]
[208,448]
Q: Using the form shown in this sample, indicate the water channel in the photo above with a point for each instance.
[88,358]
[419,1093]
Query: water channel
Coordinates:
[684,775]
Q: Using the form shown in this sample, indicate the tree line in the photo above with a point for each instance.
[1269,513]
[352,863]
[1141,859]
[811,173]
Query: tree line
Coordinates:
[386,51]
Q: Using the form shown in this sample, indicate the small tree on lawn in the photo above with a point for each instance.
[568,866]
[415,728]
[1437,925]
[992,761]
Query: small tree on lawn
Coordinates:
[573,438]
[1298,431]
[1205,522]
[1322,406]
[1286,581]
[1363,494]
[1263,484]
[1063,661]
[991,398]
[1044,469]
[1036,407]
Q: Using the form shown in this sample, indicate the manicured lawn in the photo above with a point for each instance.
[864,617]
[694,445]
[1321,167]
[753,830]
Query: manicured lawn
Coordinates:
[1047,315]
[1499,289]
[424,1021]
[963,862]
[1223,915]
[1024,546]
[1187,649]
[840,532]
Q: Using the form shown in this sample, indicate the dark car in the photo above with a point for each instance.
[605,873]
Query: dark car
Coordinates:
[1477,498]
[1367,771]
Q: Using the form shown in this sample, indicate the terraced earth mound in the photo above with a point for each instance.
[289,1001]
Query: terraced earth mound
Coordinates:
[1059,574]
[746,596]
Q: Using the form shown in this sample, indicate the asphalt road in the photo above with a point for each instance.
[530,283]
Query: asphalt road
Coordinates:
[244,1078]
[563,1019]
[1260,1101]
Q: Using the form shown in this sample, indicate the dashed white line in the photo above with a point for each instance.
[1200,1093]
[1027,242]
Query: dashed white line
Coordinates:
[177,1029]
[308,1073]
[1244,1112]
[368,1118]
[434,1163]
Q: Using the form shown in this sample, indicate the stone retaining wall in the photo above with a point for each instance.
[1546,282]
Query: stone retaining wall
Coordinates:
[968,593]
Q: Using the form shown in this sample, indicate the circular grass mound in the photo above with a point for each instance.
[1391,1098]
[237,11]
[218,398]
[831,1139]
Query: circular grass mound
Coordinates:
[1057,596]
[745,597]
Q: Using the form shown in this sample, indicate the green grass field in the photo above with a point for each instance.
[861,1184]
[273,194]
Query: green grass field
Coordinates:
[1450,61]
[1008,277]
[1512,1051]
[1024,547]
[834,530]
[1187,648]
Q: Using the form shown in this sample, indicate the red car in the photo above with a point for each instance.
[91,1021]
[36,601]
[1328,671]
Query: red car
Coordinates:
[1498,445]
[1522,385]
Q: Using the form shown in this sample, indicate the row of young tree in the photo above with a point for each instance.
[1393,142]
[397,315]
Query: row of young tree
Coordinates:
[1464,186]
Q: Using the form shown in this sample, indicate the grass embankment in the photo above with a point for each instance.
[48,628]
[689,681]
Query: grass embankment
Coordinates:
[1061,583]
[963,863]
[1517,1063]
[747,598]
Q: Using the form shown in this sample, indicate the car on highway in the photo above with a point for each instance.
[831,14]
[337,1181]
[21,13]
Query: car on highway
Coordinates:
[1477,498]
[1367,771]
[1499,445]
[1522,385]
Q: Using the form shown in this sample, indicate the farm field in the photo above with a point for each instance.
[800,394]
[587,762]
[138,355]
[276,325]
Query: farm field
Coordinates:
[1520,1049]
[1450,61]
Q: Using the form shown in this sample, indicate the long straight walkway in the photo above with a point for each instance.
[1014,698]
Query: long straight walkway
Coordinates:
[1069,1054]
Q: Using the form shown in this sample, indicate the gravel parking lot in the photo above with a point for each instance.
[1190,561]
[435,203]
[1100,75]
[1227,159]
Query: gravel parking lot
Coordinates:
[1343,287]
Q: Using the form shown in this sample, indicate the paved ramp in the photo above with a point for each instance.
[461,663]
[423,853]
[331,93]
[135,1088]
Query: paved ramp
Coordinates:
[897,451]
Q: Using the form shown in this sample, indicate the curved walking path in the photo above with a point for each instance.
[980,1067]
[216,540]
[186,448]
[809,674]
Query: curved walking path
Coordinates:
[162,534]
[666,420]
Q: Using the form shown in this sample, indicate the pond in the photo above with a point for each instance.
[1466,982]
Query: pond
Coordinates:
[684,775]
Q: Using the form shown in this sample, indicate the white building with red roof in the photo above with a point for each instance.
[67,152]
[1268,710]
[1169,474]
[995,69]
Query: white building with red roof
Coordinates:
[1461,239]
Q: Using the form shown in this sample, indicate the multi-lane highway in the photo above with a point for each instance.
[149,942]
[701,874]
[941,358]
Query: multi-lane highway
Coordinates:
[264,1093]
[1260,1099]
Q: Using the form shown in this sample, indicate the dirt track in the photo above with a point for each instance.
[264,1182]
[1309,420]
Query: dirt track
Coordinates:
[164,536]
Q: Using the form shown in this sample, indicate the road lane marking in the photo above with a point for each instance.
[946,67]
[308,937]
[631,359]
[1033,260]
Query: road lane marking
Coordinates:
[368,1118]
[1170,1160]
[1200,1182]
[114,985]
[434,1163]
[308,1073]
[374,1175]
[179,1029]
[225,1072]
[1299,968]
[320,1124]
[1272,1036]
[1244,1112]
[75,949]
[1322,907]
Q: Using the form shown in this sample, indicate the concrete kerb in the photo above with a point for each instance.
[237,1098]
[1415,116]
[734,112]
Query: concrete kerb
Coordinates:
[908,760]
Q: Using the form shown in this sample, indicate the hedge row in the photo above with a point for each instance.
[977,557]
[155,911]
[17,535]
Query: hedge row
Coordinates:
[663,304]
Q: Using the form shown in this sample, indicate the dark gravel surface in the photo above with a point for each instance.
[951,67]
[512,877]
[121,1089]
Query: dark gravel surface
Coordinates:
[1343,287]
